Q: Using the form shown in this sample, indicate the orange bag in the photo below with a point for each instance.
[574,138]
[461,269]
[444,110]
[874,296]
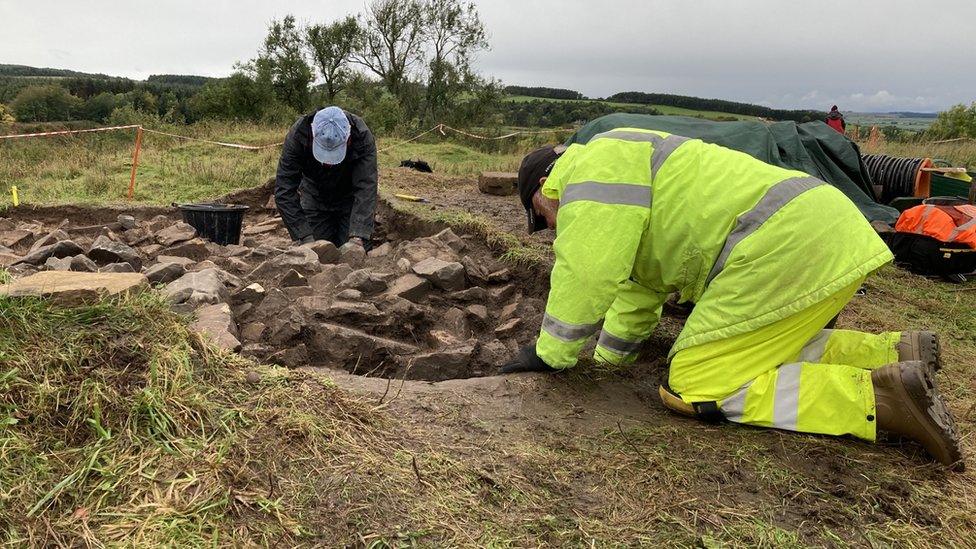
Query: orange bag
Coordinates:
[942,220]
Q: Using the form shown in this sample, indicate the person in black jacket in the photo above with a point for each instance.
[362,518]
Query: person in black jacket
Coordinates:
[325,187]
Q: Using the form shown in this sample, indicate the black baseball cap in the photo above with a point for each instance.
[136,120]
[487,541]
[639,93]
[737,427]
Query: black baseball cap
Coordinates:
[536,165]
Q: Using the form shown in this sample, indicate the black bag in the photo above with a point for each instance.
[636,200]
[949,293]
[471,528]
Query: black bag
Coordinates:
[929,256]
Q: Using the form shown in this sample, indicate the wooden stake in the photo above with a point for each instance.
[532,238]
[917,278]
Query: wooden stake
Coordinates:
[135,162]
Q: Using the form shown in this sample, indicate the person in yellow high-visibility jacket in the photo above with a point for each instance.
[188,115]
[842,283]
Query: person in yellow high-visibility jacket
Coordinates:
[767,255]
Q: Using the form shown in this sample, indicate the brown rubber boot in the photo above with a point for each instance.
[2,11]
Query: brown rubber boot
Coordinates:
[674,402]
[908,403]
[921,346]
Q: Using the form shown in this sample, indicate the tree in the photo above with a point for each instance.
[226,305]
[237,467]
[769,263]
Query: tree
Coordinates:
[283,62]
[331,46]
[6,116]
[99,107]
[239,97]
[454,32]
[390,41]
[957,121]
[49,103]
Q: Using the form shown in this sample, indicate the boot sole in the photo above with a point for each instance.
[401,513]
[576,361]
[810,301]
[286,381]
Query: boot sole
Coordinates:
[928,350]
[934,414]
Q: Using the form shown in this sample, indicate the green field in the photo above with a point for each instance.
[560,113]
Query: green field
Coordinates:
[916,124]
[664,109]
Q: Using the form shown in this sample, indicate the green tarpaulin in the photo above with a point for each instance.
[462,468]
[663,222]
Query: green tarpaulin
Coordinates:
[813,147]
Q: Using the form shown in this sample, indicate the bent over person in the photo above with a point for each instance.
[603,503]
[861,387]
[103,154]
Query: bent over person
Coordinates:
[768,255]
[325,187]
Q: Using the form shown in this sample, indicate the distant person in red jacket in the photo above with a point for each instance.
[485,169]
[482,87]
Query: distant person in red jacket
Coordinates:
[836,120]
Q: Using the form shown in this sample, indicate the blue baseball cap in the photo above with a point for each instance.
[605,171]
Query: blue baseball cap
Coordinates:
[330,134]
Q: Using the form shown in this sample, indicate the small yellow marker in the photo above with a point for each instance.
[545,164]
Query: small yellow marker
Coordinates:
[13,193]
[410,198]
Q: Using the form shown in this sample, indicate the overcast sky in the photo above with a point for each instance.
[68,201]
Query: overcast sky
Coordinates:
[864,55]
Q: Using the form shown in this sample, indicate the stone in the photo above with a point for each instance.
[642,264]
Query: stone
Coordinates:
[330,277]
[205,264]
[449,363]
[343,344]
[253,377]
[237,265]
[420,249]
[382,250]
[364,281]
[117,268]
[442,274]
[263,252]
[195,249]
[500,276]
[295,292]
[475,270]
[151,250]
[270,205]
[293,278]
[403,265]
[508,328]
[204,287]
[285,327]
[478,313]
[450,239]
[456,322]
[252,230]
[217,323]
[301,259]
[83,264]
[163,273]
[174,234]
[252,332]
[159,223]
[14,238]
[352,254]
[498,183]
[503,293]
[273,303]
[294,356]
[63,248]
[73,287]
[327,251]
[105,250]
[440,339]
[126,221]
[53,237]
[410,287]
[349,295]
[252,293]
[256,351]
[7,258]
[136,236]
[236,250]
[58,264]
[476,295]
[508,311]
[492,354]
[185,261]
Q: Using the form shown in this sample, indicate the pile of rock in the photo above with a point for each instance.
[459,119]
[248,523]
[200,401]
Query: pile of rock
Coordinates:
[435,307]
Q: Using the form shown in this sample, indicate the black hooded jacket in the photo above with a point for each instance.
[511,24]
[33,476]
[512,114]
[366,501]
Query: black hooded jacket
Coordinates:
[347,188]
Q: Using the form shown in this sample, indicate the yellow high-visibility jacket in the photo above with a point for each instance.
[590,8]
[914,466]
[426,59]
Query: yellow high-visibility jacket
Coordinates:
[643,214]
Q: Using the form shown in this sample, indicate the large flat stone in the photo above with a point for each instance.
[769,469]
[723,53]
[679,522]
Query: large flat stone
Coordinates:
[217,323]
[498,183]
[71,287]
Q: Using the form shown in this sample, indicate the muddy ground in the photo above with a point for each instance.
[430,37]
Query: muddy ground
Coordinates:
[713,478]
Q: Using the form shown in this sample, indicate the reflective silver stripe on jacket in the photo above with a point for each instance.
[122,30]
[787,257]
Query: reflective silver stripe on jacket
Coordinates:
[786,404]
[607,193]
[618,345]
[925,217]
[814,349]
[734,407]
[663,146]
[959,230]
[776,197]
[565,331]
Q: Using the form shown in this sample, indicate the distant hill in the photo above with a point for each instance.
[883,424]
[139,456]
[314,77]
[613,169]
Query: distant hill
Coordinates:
[721,105]
[24,70]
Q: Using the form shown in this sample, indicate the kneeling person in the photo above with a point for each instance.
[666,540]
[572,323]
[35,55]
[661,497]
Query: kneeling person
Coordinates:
[325,187]
[767,255]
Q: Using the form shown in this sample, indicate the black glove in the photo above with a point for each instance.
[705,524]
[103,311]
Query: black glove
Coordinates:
[526,361]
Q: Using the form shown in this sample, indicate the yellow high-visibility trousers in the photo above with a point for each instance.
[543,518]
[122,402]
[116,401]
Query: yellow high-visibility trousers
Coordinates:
[792,374]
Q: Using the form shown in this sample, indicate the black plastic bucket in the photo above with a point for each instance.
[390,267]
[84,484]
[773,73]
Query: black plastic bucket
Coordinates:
[218,223]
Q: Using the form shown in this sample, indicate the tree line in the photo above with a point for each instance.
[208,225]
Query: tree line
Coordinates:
[721,105]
